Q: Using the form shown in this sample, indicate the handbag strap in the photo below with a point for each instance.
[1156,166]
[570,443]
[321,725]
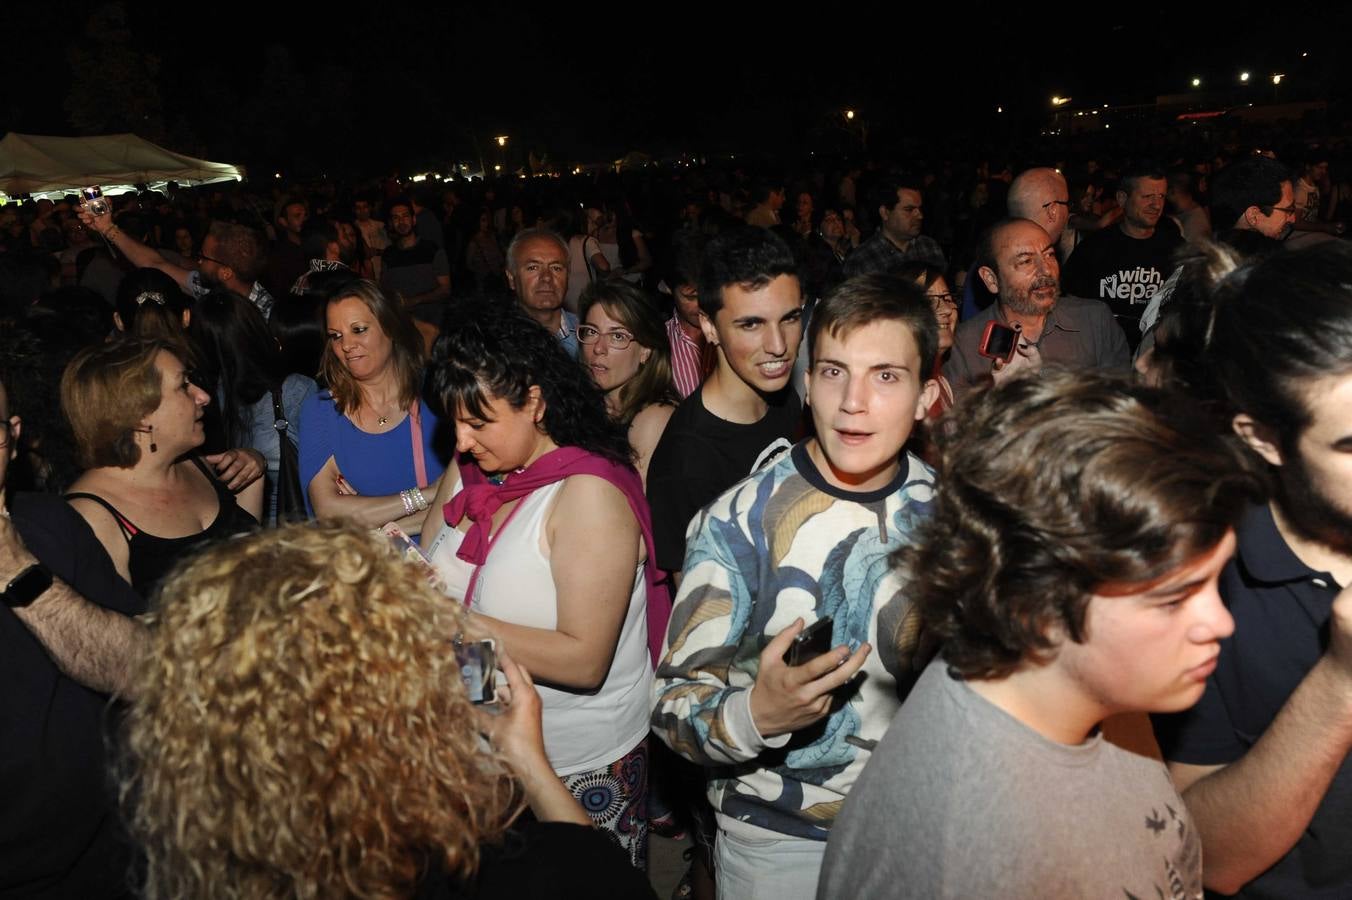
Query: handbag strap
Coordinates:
[278,414]
[416,436]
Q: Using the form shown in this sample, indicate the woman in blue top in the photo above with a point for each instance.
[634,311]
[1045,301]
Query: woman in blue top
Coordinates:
[366,442]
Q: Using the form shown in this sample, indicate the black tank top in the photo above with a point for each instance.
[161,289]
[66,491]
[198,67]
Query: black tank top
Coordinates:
[149,558]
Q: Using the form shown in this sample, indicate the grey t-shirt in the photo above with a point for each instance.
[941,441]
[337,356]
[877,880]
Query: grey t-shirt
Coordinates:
[961,800]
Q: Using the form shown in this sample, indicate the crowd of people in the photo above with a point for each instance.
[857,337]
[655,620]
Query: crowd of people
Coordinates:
[765,541]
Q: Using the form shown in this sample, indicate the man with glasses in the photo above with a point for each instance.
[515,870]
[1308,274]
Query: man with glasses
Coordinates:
[1256,196]
[1125,264]
[232,257]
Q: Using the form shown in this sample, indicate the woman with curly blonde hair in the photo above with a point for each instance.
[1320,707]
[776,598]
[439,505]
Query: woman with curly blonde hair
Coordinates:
[302,730]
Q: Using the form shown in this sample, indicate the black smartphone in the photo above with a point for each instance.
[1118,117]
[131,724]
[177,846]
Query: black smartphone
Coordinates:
[998,341]
[811,642]
[478,662]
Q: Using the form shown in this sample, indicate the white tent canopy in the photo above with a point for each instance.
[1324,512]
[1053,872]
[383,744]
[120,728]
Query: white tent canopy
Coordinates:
[51,167]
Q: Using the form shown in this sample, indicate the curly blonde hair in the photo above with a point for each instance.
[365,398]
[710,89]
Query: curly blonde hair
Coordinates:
[301,728]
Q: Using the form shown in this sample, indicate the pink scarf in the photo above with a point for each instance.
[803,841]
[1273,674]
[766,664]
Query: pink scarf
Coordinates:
[479,499]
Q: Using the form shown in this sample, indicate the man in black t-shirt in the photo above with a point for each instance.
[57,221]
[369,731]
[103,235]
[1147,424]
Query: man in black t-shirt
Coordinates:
[745,412]
[1125,264]
[415,270]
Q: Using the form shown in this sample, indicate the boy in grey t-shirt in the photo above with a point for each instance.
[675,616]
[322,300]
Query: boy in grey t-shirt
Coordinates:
[1069,574]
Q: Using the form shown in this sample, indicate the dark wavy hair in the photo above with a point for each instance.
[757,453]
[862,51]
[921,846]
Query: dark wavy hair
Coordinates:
[497,349]
[748,256]
[1053,489]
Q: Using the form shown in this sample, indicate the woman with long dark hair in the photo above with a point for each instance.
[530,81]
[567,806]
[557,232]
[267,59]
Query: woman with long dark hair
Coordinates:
[546,536]
[238,363]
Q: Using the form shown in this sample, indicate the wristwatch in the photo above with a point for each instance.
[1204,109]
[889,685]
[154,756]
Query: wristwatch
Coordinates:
[27,586]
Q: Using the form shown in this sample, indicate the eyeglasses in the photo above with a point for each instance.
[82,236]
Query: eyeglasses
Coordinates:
[1047,207]
[202,257]
[1284,210]
[939,301]
[618,340]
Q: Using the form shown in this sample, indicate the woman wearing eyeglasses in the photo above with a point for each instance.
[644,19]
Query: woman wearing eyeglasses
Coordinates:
[945,305]
[625,348]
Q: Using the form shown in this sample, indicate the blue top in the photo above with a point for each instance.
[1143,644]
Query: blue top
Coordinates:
[377,465]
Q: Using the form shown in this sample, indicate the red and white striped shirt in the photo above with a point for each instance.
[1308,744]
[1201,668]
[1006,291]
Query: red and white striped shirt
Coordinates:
[691,360]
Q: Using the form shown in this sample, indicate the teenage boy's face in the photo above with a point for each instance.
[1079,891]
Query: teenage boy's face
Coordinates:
[1151,650]
[757,332]
[866,392]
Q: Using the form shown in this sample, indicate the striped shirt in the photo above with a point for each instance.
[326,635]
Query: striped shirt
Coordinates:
[691,360]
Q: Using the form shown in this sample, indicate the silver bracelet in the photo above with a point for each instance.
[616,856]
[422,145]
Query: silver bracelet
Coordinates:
[407,498]
[418,499]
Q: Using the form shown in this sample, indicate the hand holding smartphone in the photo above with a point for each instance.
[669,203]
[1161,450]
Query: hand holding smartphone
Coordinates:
[999,341]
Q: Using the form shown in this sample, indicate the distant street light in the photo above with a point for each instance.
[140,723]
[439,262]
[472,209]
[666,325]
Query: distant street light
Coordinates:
[1197,82]
[849,114]
[1244,77]
[1059,101]
[502,140]
[1277,78]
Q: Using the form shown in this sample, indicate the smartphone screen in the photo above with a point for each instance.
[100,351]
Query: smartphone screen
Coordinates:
[478,661]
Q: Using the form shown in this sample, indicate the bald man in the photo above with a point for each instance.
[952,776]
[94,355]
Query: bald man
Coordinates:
[1016,262]
[1039,195]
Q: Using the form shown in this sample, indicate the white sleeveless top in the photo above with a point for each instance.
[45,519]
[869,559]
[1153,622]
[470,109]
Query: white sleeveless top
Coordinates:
[582,730]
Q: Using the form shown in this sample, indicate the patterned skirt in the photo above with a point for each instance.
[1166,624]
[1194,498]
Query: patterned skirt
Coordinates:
[615,796]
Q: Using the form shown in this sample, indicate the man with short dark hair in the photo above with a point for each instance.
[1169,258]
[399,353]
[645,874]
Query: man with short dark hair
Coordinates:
[287,259]
[415,270]
[803,542]
[746,411]
[769,198]
[537,272]
[1068,574]
[372,232]
[692,356]
[1016,261]
[900,209]
[1253,195]
[1125,264]
[1190,215]
[232,257]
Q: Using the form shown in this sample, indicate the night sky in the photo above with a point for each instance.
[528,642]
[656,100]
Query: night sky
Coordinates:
[418,85]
